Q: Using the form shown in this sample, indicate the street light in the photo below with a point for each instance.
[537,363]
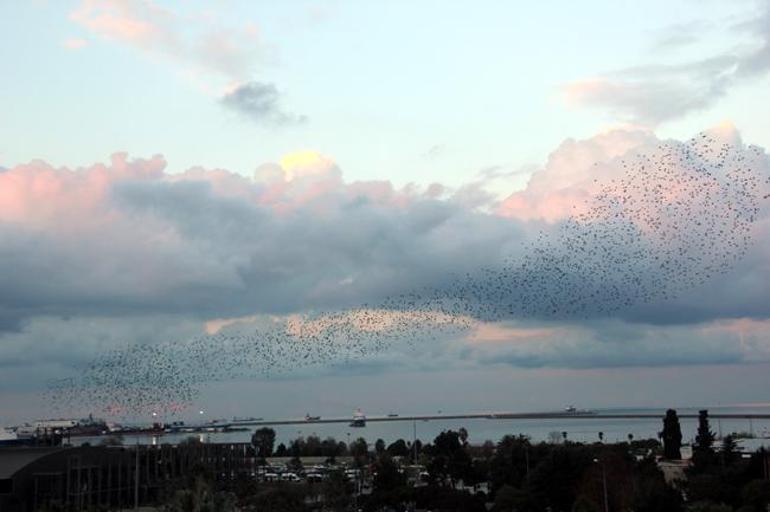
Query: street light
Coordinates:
[604,484]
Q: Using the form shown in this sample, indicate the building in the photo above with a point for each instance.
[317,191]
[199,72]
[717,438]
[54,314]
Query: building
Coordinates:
[87,477]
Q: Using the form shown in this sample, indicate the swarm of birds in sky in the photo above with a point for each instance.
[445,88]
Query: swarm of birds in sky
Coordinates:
[677,216]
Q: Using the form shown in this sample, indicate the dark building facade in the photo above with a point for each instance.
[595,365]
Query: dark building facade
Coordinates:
[84,478]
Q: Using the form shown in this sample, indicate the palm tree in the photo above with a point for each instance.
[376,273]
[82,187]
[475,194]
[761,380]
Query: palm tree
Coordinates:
[201,498]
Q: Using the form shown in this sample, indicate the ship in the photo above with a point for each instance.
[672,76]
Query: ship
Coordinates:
[359,419]
[573,411]
[308,417]
[21,436]
[9,438]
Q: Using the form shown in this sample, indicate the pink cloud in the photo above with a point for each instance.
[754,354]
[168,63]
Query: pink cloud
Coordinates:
[578,170]
[498,333]
[228,51]
[40,195]
[140,23]
[574,172]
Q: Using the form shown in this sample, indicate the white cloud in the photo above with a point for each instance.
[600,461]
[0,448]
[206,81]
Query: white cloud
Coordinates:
[650,95]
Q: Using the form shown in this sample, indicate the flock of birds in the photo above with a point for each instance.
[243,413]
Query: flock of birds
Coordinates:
[678,216]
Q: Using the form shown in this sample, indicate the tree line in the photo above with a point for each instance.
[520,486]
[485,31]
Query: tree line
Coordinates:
[519,475]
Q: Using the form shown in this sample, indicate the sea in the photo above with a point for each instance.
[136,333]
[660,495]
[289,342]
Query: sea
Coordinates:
[480,430]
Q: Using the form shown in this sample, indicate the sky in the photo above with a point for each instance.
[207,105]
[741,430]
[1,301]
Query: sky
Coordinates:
[169,169]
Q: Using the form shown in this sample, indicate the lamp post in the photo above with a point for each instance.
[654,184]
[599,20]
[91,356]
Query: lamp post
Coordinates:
[526,458]
[604,484]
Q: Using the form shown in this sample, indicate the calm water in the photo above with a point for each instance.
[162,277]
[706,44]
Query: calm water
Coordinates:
[482,429]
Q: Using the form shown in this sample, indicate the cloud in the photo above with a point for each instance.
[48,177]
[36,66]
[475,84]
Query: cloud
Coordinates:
[615,343]
[156,30]
[650,95]
[203,48]
[574,172]
[646,102]
[127,237]
[259,102]
[434,151]
[126,243]
[573,176]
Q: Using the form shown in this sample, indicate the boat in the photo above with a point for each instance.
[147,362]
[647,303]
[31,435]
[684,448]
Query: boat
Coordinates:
[573,411]
[311,418]
[236,419]
[8,438]
[359,419]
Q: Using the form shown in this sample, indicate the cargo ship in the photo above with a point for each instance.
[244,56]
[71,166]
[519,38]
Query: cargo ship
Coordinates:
[359,419]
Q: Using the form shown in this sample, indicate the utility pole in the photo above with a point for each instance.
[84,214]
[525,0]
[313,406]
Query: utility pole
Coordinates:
[526,458]
[414,440]
[136,477]
[604,482]
[604,485]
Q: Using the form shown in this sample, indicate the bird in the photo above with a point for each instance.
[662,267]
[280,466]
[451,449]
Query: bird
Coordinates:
[679,215]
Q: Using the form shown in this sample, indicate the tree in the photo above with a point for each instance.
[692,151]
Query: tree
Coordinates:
[297,447]
[263,441]
[379,446]
[200,497]
[398,449]
[336,491]
[387,476]
[487,449]
[601,437]
[672,436]
[651,493]
[277,499]
[281,450]
[709,487]
[756,495]
[313,446]
[463,435]
[729,450]
[703,451]
[510,498]
[330,448]
[508,465]
[360,450]
[450,458]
